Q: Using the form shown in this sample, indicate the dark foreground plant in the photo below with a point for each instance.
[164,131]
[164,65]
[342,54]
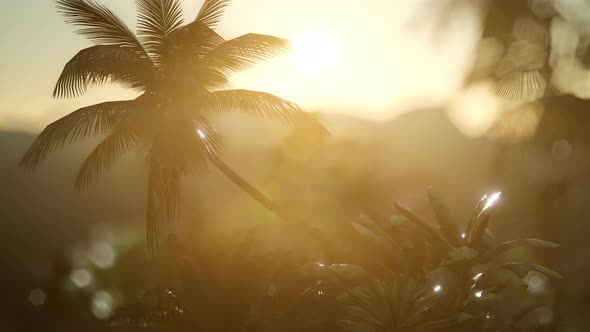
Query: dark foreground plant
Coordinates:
[461,283]
[443,280]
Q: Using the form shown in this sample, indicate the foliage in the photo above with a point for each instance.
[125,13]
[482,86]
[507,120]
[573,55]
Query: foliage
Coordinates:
[444,280]
[522,48]
[179,70]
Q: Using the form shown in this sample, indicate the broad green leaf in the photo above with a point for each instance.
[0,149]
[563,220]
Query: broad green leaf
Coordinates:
[501,248]
[372,237]
[423,225]
[349,274]
[498,277]
[540,316]
[396,220]
[478,305]
[441,211]
[463,252]
[513,302]
[523,268]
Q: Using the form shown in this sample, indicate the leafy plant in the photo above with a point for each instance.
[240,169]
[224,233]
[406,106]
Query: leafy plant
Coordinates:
[459,283]
[235,290]
[395,303]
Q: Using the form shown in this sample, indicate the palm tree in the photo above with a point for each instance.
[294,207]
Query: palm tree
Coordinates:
[179,71]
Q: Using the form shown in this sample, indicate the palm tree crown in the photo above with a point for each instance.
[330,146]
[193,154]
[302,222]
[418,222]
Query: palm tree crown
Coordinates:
[180,70]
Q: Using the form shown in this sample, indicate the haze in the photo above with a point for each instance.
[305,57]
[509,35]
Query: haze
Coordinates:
[373,63]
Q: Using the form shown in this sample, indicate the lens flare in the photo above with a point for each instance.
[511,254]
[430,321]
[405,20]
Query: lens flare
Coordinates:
[492,200]
[316,51]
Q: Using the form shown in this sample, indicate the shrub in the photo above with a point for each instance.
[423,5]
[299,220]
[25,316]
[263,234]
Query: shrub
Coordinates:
[427,279]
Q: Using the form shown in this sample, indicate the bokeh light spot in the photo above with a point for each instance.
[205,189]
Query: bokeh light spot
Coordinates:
[102,305]
[102,255]
[37,297]
[81,278]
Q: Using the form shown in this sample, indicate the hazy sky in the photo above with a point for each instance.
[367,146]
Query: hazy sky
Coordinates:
[384,53]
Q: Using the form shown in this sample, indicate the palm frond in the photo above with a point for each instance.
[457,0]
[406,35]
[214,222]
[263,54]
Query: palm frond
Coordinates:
[197,38]
[167,182]
[101,64]
[157,20]
[165,176]
[185,141]
[163,201]
[209,139]
[242,53]
[189,149]
[90,120]
[522,86]
[177,147]
[211,12]
[393,303]
[260,104]
[506,246]
[113,147]
[99,24]
[423,225]
[194,41]
[211,80]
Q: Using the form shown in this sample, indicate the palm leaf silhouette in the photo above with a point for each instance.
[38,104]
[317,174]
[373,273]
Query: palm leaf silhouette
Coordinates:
[211,12]
[120,141]
[157,20]
[261,104]
[78,125]
[243,52]
[103,64]
[99,24]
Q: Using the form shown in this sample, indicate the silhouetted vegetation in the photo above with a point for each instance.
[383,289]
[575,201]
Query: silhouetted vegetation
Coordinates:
[430,279]
[179,70]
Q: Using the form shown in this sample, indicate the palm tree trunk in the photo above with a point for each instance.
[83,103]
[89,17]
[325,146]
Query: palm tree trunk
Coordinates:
[266,202]
[152,213]
[249,189]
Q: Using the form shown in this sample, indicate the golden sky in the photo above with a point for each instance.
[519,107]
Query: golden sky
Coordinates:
[374,55]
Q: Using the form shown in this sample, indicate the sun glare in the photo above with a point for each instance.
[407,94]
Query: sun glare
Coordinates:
[316,50]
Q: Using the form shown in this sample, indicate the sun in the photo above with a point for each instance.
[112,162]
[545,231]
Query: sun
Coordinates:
[316,50]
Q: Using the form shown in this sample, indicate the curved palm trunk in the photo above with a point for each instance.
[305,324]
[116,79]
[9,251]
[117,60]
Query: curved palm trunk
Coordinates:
[248,188]
[266,202]
[331,248]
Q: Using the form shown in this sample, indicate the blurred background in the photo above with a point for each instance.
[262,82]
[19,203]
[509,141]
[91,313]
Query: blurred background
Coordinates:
[467,96]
